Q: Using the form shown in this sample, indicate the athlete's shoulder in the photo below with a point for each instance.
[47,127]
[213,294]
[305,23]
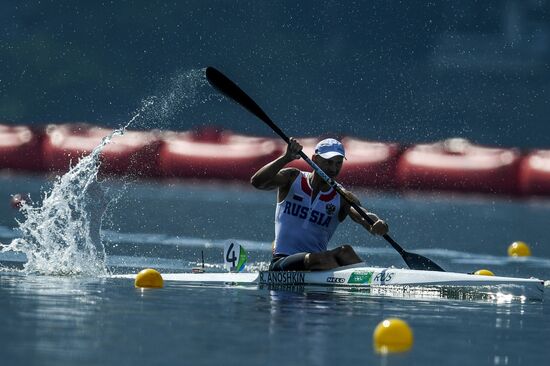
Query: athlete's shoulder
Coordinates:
[290,173]
[287,177]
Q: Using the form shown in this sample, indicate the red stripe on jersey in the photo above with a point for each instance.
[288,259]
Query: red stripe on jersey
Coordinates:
[327,197]
[307,190]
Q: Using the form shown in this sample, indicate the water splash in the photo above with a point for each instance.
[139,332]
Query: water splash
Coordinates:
[180,93]
[62,235]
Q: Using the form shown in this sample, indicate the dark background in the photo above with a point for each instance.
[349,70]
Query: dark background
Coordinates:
[405,71]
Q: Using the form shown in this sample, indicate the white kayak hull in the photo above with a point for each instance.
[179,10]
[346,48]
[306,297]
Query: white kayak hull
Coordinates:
[372,277]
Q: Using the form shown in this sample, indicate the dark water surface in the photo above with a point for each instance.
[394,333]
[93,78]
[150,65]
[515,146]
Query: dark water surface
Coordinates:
[64,320]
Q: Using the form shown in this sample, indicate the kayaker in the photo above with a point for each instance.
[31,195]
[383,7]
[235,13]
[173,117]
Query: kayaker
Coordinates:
[309,210]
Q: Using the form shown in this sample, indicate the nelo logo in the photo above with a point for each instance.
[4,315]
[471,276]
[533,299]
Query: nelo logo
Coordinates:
[336,280]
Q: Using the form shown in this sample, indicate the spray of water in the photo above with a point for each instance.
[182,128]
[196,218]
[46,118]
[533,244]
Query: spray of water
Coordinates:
[180,93]
[61,236]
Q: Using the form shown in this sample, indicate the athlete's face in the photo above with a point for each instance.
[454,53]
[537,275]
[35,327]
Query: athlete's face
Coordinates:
[330,166]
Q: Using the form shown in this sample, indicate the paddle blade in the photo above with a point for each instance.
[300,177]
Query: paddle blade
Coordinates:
[418,262]
[414,261]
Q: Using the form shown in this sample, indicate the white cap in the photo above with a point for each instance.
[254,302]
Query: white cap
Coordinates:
[329,148]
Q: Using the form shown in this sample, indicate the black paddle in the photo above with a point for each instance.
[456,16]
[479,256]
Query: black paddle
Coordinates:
[232,91]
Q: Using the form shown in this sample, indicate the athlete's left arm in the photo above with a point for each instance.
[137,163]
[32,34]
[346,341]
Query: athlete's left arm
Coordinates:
[378,228]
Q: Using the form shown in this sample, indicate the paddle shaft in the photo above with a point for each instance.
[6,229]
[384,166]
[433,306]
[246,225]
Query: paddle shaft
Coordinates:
[232,91]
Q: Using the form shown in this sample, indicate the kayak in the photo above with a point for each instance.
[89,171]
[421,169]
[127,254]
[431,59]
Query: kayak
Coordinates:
[378,280]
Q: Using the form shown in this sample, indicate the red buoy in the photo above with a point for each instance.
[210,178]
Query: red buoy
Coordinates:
[135,152]
[534,174]
[230,156]
[458,165]
[20,148]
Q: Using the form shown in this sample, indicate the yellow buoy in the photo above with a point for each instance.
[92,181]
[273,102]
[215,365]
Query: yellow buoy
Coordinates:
[519,249]
[149,278]
[484,272]
[392,335]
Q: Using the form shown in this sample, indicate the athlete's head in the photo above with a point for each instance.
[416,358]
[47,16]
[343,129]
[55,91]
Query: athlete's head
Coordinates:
[329,156]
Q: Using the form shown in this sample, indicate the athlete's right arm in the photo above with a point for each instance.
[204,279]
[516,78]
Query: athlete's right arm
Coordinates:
[273,175]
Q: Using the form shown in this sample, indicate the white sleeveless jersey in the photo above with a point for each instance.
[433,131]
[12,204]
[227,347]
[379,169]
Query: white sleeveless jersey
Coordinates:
[303,225]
